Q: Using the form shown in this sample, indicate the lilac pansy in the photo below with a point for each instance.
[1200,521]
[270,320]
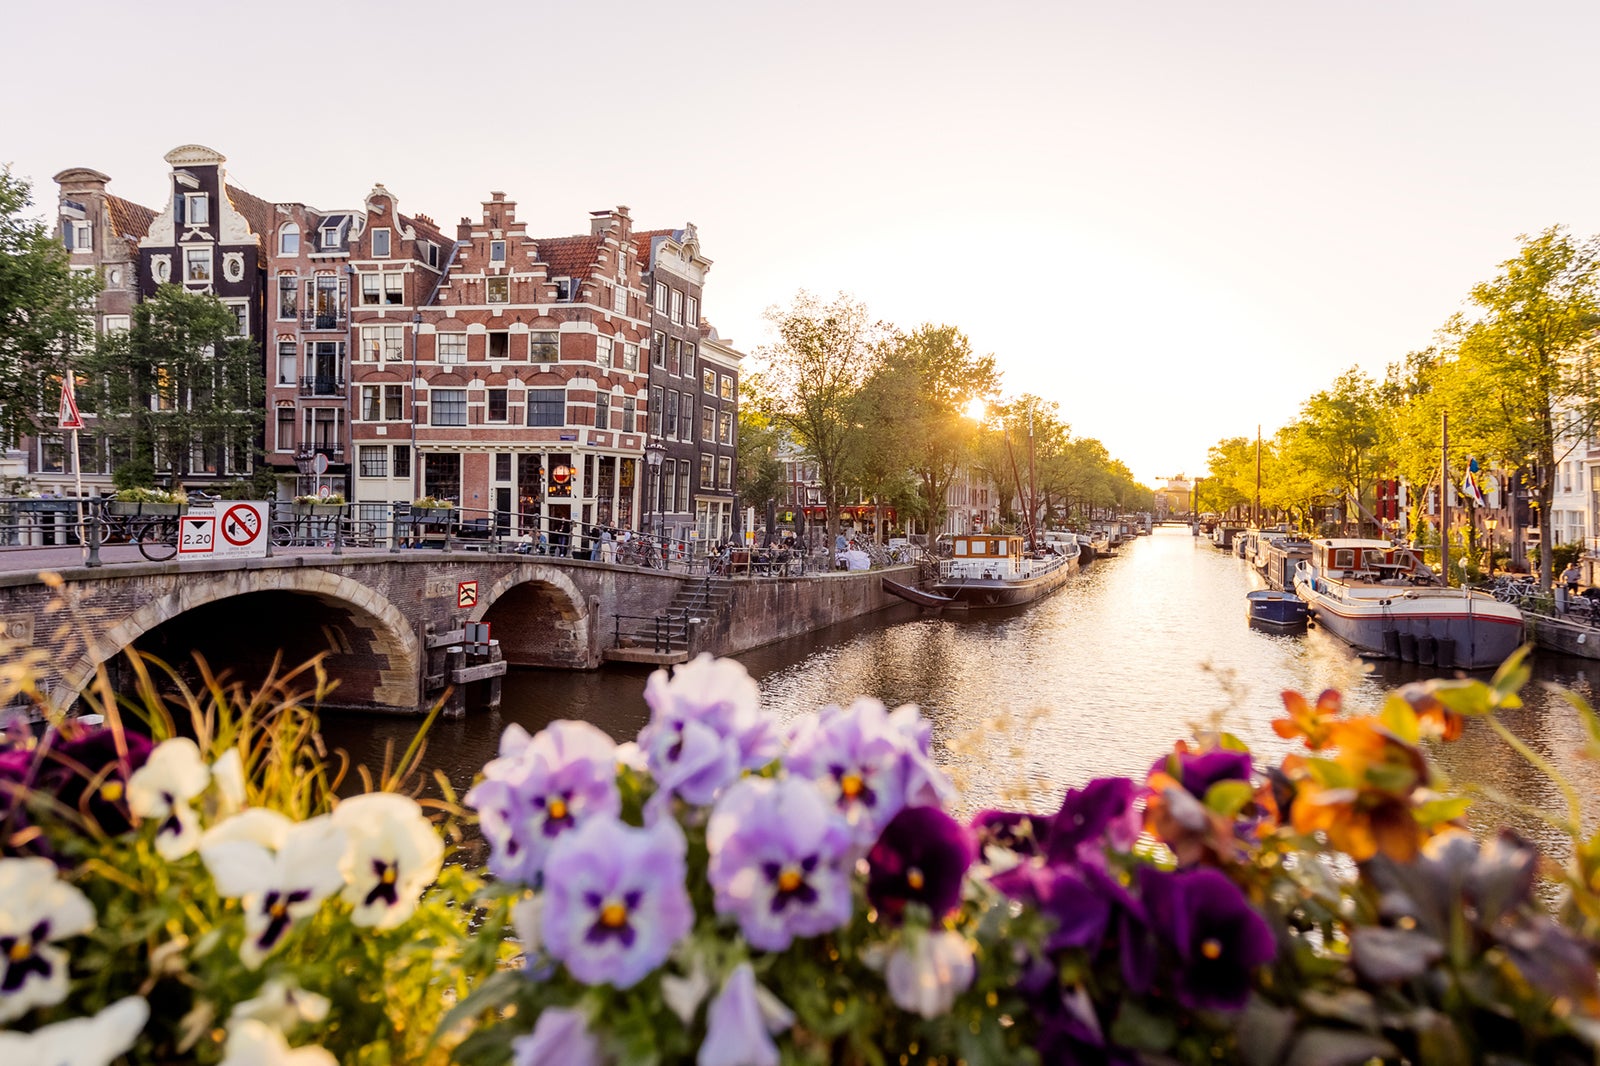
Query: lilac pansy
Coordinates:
[860,760]
[927,971]
[740,1024]
[540,787]
[781,861]
[561,1035]
[615,903]
[706,728]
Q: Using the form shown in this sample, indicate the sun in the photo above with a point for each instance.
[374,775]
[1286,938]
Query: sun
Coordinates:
[977,409]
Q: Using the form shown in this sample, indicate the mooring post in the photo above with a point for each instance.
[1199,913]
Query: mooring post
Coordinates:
[455,658]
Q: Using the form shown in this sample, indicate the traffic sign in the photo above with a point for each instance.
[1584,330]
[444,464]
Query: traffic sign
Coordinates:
[241,525]
[68,417]
[197,534]
[320,464]
[467,595]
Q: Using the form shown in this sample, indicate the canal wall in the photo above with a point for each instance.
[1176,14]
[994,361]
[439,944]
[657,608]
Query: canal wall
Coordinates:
[767,610]
[1560,635]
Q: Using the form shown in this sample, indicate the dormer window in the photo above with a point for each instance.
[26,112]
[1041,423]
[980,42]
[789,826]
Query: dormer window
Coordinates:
[566,290]
[433,254]
[380,244]
[289,240]
[497,252]
[80,236]
[197,208]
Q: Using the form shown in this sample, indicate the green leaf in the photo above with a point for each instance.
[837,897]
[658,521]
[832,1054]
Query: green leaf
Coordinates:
[1338,1047]
[1137,1027]
[1228,798]
[1444,809]
[1399,719]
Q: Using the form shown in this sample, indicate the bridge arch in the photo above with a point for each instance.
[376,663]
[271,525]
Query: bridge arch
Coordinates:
[371,647]
[540,617]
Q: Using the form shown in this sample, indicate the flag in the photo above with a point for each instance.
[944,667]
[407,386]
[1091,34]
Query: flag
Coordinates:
[1473,491]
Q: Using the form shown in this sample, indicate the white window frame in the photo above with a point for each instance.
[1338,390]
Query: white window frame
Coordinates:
[602,351]
[189,201]
[677,307]
[619,300]
[292,350]
[243,319]
[83,236]
[451,357]
[497,246]
[501,284]
[210,264]
[630,356]
[287,231]
[116,324]
[661,298]
[381,234]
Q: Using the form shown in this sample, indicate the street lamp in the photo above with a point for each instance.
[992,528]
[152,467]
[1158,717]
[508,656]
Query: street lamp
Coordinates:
[654,452]
[1488,524]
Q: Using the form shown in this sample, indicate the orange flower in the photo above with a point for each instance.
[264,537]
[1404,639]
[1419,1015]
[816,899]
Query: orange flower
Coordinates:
[1306,721]
[1364,798]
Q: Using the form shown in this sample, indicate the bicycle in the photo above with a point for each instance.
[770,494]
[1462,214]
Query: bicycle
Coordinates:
[156,536]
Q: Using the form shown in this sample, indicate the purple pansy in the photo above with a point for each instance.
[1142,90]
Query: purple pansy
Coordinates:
[615,900]
[1198,771]
[863,762]
[539,788]
[706,728]
[780,861]
[739,1026]
[1091,818]
[561,1035]
[921,857]
[1015,831]
[926,784]
[1219,938]
[1070,895]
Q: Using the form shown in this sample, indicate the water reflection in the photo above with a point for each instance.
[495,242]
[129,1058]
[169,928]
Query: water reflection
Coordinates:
[1099,679]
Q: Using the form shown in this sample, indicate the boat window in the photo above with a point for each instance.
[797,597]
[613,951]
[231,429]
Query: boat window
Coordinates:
[961,547]
[1344,558]
[980,547]
[1371,559]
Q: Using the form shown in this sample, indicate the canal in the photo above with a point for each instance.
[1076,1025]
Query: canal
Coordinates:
[1101,678]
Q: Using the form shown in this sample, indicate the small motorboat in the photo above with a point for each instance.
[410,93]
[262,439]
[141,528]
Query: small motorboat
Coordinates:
[1276,609]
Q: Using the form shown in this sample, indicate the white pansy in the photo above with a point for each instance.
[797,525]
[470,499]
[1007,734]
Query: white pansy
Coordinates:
[162,788]
[95,1041]
[393,855]
[525,916]
[278,885]
[282,1005]
[927,971]
[228,775]
[37,908]
[685,994]
[253,1043]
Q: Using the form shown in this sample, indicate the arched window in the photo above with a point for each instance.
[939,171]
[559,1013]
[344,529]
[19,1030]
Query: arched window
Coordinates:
[289,239]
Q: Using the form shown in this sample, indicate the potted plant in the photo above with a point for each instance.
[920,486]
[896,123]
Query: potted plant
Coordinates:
[147,501]
[331,504]
[431,509]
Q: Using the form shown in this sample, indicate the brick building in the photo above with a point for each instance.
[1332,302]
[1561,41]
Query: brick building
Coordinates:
[715,467]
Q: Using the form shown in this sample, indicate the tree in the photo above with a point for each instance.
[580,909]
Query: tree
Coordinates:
[1337,440]
[1525,367]
[811,382]
[179,390]
[920,396]
[760,473]
[44,308]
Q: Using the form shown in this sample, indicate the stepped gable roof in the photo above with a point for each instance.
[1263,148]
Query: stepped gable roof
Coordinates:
[128,219]
[643,239]
[568,257]
[256,211]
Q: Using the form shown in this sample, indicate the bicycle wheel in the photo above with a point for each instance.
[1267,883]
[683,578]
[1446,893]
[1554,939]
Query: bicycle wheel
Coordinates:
[282,535]
[158,539]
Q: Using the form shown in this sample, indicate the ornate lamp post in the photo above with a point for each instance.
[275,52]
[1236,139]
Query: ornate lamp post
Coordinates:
[1488,526]
[654,452]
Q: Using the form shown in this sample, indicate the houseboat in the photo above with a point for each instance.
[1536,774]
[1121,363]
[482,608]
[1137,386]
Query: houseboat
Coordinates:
[991,570]
[1383,601]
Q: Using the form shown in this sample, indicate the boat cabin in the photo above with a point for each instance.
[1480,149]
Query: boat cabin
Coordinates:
[1369,561]
[985,554]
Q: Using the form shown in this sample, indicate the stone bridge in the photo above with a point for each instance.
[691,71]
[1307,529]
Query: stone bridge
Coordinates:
[381,620]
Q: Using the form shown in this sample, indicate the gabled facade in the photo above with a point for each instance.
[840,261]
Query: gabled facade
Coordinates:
[674,275]
[101,231]
[715,471]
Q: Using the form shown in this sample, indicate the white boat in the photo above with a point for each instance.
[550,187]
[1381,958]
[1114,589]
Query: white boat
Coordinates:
[991,570]
[1382,601]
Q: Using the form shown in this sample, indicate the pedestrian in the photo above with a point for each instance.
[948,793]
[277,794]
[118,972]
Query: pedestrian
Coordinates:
[1572,575]
[544,543]
[607,551]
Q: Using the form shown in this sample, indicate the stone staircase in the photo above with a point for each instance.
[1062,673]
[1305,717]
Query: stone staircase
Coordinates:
[664,638]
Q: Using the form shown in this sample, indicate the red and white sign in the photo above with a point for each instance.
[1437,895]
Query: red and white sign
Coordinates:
[467,595]
[225,531]
[68,417]
[197,534]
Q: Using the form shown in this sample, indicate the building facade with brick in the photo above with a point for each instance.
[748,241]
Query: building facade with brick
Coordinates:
[715,469]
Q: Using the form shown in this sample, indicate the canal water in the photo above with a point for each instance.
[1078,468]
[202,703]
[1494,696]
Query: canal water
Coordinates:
[1101,678]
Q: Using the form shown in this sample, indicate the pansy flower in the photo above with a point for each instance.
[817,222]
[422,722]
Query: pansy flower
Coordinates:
[393,856]
[86,770]
[539,788]
[615,903]
[280,870]
[253,1043]
[283,1005]
[1363,799]
[926,784]
[162,789]
[741,1022]
[860,760]
[706,727]
[927,971]
[1308,721]
[561,1035]
[94,1041]
[1218,937]
[37,909]
[921,857]
[1101,814]
[780,861]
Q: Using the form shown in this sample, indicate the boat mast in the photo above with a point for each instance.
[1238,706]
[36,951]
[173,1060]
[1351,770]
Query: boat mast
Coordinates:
[1444,500]
[1033,498]
[1256,514]
[1012,455]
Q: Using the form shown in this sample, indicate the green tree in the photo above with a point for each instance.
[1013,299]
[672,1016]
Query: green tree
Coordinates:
[760,473]
[178,389]
[920,396]
[811,381]
[1524,371]
[44,313]
[1337,441]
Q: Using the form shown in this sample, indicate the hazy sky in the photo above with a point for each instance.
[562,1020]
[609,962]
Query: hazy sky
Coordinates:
[1175,219]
